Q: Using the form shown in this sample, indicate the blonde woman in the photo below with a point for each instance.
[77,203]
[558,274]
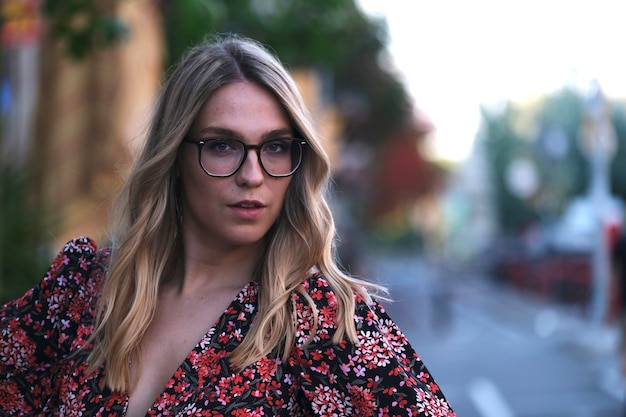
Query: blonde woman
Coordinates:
[219,294]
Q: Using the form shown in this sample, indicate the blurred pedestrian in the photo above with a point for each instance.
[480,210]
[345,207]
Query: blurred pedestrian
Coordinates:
[220,294]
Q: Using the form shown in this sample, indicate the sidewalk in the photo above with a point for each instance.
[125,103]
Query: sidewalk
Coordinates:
[499,353]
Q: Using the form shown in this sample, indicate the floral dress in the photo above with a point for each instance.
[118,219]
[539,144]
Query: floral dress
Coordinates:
[43,370]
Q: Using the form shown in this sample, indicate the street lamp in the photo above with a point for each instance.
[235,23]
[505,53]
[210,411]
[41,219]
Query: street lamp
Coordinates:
[598,143]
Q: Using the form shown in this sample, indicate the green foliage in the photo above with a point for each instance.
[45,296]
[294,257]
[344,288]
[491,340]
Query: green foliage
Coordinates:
[527,132]
[503,146]
[22,220]
[84,25]
[333,36]
[301,32]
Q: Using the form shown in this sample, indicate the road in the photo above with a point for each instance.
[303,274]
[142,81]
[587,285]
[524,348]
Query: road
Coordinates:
[499,353]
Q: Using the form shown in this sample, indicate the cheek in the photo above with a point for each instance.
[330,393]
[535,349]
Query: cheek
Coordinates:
[191,173]
[283,195]
[283,191]
[187,156]
[197,189]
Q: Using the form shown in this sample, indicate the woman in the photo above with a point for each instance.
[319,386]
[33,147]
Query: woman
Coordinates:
[220,294]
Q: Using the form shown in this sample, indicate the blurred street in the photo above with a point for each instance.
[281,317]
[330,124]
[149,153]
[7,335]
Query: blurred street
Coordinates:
[499,353]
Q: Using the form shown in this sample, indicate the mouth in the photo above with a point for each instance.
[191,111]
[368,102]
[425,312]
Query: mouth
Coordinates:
[248,205]
[247,210]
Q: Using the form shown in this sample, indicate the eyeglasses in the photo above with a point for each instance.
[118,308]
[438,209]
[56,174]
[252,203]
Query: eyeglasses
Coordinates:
[223,157]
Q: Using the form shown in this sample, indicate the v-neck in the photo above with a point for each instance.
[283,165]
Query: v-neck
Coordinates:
[210,353]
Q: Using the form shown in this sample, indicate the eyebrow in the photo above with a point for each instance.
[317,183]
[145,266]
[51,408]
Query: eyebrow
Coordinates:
[231,133]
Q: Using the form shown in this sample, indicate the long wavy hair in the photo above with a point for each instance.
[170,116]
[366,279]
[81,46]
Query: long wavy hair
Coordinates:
[146,242]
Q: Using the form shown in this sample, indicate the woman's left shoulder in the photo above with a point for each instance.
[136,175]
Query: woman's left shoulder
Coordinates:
[377,370]
[319,289]
[314,305]
[323,295]
[317,306]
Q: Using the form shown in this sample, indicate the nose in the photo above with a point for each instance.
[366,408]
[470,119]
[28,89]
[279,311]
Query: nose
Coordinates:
[251,173]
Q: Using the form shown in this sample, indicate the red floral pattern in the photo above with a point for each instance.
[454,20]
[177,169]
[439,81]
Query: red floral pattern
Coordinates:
[43,371]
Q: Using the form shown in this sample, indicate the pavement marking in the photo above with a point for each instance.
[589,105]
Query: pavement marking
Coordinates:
[488,399]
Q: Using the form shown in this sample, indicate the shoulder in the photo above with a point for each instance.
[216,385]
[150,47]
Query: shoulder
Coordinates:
[319,289]
[80,252]
[318,309]
[79,263]
[318,314]
[75,274]
[323,296]
[41,326]
[80,245]
[315,293]
[314,306]
[68,294]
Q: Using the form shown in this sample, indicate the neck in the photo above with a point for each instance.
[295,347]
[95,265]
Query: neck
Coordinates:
[207,268]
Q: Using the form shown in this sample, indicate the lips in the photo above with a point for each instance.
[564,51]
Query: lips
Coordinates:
[248,204]
[247,209]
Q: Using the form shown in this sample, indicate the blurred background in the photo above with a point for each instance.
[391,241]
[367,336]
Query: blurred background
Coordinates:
[478,148]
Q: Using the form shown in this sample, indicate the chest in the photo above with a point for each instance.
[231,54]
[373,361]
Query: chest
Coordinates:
[204,384]
[203,378]
[178,327]
[168,341]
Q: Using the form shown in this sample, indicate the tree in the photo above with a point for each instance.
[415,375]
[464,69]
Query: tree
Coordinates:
[547,133]
[333,36]
[503,145]
[22,222]
[82,27]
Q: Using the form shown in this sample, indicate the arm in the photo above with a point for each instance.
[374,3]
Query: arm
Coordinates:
[380,373]
[37,329]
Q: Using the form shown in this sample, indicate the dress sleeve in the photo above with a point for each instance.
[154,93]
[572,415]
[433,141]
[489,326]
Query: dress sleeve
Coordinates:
[36,331]
[380,374]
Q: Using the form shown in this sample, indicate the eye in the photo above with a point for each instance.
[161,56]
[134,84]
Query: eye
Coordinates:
[221,146]
[277,146]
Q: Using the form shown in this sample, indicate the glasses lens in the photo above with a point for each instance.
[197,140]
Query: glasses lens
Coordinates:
[281,157]
[222,157]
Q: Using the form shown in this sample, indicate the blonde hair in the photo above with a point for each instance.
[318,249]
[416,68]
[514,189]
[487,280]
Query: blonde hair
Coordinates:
[146,241]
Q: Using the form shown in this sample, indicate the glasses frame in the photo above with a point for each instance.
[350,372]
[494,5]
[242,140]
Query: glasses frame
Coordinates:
[201,142]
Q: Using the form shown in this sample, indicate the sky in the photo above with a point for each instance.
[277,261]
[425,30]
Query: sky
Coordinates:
[456,55]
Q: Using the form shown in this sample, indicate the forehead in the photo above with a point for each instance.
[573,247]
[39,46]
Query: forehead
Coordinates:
[243,107]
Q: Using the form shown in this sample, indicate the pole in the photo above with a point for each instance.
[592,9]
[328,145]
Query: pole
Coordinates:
[600,257]
[599,144]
